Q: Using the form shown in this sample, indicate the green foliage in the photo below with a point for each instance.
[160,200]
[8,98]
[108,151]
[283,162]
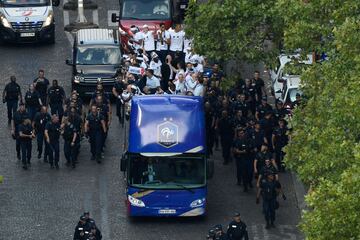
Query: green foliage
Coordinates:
[234,29]
[324,150]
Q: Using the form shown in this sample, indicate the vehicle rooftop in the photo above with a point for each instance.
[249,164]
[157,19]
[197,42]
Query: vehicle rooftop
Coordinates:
[97,36]
[285,58]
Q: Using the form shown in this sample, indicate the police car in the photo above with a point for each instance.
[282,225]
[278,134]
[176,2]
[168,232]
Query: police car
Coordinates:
[285,76]
[96,58]
[27,20]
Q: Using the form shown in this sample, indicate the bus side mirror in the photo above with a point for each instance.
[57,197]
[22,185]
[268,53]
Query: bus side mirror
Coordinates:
[114,18]
[55,3]
[210,169]
[123,162]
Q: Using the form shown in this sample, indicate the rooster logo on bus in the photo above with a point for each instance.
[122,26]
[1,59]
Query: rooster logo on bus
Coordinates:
[167,134]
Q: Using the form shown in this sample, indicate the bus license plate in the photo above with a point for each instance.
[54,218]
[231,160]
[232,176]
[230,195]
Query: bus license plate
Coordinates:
[167,211]
[27,34]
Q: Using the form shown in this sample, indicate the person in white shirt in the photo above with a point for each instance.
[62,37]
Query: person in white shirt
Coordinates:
[199,88]
[152,82]
[138,37]
[155,64]
[149,41]
[162,42]
[177,41]
[180,87]
[198,67]
[191,82]
[187,43]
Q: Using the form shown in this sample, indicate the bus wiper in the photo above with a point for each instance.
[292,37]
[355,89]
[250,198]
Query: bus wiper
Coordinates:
[183,187]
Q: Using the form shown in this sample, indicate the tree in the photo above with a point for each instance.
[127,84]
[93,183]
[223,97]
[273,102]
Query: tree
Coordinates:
[234,29]
[324,150]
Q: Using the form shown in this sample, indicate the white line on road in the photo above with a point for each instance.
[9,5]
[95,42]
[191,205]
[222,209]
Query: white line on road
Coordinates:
[104,207]
[95,15]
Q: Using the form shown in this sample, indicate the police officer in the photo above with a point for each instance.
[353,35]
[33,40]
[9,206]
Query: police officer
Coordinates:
[219,233]
[117,90]
[262,109]
[269,191]
[280,140]
[40,120]
[95,127]
[11,96]
[241,151]
[32,101]
[52,135]
[26,135]
[18,119]
[260,158]
[95,234]
[237,229]
[105,111]
[70,136]
[81,229]
[89,221]
[56,97]
[41,85]
[226,135]
[75,119]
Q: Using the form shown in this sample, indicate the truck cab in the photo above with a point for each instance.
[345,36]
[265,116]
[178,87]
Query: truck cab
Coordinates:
[27,21]
[96,57]
[149,12]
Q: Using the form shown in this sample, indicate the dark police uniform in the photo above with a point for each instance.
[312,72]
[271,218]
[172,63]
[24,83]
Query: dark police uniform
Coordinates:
[32,103]
[19,117]
[261,157]
[25,143]
[226,136]
[40,121]
[237,231]
[80,230]
[96,134]
[263,109]
[69,149]
[240,106]
[119,87]
[269,193]
[56,97]
[280,141]
[54,145]
[41,87]
[243,161]
[13,93]
[250,97]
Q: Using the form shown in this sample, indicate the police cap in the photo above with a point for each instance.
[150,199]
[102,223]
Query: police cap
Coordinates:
[82,218]
[218,227]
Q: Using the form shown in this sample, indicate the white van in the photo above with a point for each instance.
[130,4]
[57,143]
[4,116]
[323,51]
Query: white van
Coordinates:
[27,21]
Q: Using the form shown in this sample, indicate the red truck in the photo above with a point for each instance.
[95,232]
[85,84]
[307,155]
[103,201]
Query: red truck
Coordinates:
[149,12]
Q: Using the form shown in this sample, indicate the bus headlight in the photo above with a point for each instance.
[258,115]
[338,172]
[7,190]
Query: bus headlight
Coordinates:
[136,202]
[197,203]
[49,19]
[4,21]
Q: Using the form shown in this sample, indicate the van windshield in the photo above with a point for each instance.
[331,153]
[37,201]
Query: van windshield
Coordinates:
[145,9]
[24,3]
[98,55]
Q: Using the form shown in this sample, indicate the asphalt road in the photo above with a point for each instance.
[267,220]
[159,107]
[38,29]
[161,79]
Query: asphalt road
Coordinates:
[45,204]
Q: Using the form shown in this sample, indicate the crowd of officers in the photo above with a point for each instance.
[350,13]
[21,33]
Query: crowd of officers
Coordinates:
[45,114]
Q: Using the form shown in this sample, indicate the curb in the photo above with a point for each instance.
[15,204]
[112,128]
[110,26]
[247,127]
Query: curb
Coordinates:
[300,192]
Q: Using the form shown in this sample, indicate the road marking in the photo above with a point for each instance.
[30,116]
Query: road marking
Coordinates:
[104,207]
[66,15]
[110,23]
[95,15]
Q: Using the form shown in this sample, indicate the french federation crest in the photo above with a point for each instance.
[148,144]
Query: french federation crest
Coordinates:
[168,135]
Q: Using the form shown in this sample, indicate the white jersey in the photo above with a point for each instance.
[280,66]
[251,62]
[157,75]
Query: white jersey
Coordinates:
[177,41]
[180,87]
[149,41]
[199,90]
[156,66]
[162,45]
[138,37]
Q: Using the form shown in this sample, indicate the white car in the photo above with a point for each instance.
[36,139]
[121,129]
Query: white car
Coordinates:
[27,21]
[285,76]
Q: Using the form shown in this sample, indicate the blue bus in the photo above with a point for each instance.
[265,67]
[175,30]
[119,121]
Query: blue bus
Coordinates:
[165,161]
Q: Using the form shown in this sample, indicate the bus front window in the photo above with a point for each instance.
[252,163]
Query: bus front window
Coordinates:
[166,172]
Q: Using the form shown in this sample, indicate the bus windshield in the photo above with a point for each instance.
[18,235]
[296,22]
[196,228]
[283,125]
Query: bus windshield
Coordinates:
[177,172]
[146,10]
[24,3]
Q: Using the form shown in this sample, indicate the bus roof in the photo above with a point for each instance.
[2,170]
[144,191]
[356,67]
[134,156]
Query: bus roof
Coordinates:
[167,124]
